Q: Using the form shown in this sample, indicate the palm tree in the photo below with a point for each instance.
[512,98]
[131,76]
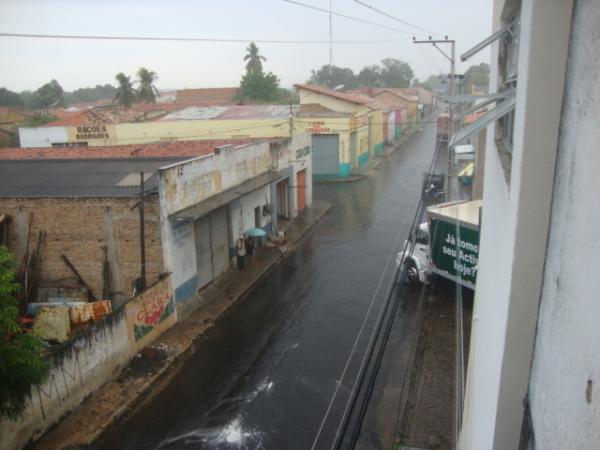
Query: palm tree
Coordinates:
[254,64]
[125,95]
[147,92]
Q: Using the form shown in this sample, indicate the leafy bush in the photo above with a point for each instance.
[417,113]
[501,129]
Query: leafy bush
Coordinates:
[21,363]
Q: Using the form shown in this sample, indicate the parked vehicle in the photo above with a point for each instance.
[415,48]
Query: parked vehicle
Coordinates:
[443,127]
[432,191]
[446,245]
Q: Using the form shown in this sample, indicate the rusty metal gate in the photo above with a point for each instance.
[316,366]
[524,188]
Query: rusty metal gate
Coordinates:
[219,237]
[203,251]
[212,245]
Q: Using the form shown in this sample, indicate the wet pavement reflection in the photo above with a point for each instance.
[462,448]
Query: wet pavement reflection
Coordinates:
[263,377]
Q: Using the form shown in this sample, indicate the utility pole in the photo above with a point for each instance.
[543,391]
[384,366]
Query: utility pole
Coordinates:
[142,231]
[140,283]
[330,40]
[452,59]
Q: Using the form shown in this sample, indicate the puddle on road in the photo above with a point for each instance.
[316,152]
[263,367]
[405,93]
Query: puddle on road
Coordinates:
[231,436]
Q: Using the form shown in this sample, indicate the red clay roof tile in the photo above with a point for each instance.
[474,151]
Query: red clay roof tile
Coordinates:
[352,98]
[153,150]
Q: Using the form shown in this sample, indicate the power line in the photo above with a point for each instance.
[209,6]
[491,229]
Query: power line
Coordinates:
[183,39]
[345,16]
[431,60]
[395,18]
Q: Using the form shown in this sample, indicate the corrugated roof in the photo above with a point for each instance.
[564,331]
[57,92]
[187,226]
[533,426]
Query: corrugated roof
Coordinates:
[259,112]
[111,114]
[196,113]
[352,98]
[95,171]
[176,149]
[234,112]
[76,178]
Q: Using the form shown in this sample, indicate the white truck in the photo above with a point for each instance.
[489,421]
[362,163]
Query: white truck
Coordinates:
[446,245]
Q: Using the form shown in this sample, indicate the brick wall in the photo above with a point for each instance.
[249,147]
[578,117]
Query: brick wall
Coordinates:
[79,228]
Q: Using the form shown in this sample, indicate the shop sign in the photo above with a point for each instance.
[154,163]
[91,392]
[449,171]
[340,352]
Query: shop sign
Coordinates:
[317,128]
[86,132]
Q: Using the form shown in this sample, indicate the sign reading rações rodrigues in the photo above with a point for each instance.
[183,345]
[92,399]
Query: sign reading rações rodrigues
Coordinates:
[85,132]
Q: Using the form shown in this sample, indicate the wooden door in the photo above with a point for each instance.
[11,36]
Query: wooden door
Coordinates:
[301,189]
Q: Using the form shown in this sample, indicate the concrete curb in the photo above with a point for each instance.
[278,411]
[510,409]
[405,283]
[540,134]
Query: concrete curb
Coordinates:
[350,179]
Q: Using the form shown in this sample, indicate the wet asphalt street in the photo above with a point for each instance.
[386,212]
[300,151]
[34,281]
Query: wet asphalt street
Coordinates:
[264,376]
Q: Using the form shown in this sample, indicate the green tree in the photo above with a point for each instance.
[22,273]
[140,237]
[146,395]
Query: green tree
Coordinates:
[28,99]
[125,94]
[37,120]
[395,73]
[20,354]
[147,92]
[10,98]
[477,76]
[334,77]
[259,87]
[84,95]
[49,95]
[256,85]
[370,76]
[253,59]
[433,83]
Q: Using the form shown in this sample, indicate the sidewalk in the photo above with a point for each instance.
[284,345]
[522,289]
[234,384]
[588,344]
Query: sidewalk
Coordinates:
[150,371]
[427,411]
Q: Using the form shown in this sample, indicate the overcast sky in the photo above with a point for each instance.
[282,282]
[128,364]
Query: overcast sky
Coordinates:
[28,63]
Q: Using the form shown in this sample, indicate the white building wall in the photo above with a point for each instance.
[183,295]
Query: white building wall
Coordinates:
[43,136]
[565,407]
[191,182]
[514,231]
[242,211]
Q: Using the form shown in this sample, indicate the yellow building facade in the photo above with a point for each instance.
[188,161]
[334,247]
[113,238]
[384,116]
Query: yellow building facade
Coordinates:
[358,140]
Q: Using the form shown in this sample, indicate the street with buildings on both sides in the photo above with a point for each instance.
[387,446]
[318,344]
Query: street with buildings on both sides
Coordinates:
[263,374]
[209,356]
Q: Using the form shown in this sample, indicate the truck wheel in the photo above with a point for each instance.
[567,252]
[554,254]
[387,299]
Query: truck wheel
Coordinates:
[412,273]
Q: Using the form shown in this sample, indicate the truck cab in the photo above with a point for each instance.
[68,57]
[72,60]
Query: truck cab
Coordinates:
[417,263]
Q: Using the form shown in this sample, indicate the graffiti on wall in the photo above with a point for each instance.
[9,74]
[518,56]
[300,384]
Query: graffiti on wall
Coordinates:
[73,367]
[151,312]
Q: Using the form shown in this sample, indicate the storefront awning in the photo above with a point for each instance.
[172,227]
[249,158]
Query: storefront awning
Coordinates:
[216,201]
[500,110]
